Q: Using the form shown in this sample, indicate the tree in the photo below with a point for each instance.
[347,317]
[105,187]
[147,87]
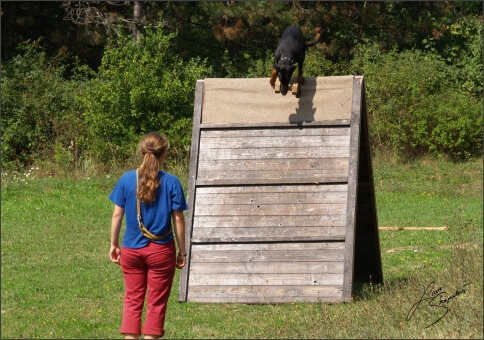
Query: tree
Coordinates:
[112,16]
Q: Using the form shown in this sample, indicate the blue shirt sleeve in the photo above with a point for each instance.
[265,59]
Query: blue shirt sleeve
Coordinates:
[118,195]
[178,196]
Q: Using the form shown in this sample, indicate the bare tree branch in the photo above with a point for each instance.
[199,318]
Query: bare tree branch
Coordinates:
[84,13]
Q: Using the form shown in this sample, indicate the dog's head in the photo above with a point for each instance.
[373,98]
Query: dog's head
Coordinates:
[285,69]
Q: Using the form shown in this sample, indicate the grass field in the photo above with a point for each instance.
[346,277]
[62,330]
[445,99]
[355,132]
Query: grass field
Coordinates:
[57,280]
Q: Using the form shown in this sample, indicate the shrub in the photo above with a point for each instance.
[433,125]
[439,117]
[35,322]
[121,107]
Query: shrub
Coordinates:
[449,124]
[414,107]
[140,87]
[36,106]
[468,59]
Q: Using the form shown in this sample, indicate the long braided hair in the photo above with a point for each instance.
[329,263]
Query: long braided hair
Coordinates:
[153,148]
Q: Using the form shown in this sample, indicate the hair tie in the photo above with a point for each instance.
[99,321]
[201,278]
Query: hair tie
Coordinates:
[150,150]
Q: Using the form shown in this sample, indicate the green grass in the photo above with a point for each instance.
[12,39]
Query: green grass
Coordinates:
[57,280]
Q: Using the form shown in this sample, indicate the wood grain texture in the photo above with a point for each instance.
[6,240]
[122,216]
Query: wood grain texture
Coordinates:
[297,155]
[270,213]
[262,272]
[265,294]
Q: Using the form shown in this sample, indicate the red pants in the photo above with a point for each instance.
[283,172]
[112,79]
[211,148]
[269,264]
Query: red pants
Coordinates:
[151,267]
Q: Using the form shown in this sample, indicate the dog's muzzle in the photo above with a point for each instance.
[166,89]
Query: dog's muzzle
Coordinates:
[284,89]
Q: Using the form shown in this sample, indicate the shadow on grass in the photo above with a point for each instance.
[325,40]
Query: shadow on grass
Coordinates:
[368,290]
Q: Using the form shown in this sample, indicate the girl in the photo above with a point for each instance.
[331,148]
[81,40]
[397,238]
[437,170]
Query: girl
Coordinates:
[151,198]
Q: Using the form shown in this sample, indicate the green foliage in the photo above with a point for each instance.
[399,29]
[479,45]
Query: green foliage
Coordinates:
[468,31]
[140,87]
[448,123]
[36,106]
[414,106]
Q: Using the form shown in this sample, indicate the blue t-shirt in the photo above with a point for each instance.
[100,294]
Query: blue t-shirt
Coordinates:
[156,217]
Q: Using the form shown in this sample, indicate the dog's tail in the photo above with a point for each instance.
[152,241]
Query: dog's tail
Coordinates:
[319,37]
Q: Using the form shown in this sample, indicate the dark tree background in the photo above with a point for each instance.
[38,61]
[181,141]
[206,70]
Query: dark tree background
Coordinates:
[210,29]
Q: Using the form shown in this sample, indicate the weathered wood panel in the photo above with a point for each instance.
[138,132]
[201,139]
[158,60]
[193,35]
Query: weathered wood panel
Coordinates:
[197,117]
[268,252]
[249,272]
[261,268]
[335,164]
[260,279]
[268,221]
[313,154]
[287,138]
[353,170]
[274,153]
[271,194]
[270,213]
[265,294]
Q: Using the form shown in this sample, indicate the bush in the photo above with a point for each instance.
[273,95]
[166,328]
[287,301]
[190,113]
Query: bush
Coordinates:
[414,107]
[449,124]
[140,87]
[36,107]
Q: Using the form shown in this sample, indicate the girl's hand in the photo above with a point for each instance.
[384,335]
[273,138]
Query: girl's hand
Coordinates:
[115,254]
[181,260]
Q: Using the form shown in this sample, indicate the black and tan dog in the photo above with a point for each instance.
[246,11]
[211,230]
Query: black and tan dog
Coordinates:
[290,50]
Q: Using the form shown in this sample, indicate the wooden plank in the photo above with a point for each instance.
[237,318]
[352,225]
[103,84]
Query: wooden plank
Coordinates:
[288,267]
[265,256]
[227,159]
[318,123]
[209,166]
[219,235]
[261,279]
[268,252]
[220,165]
[275,131]
[273,153]
[352,189]
[267,273]
[226,221]
[269,175]
[273,194]
[266,139]
[315,247]
[270,213]
[292,142]
[265,294]
[271,181]
[197,118]
[271,209]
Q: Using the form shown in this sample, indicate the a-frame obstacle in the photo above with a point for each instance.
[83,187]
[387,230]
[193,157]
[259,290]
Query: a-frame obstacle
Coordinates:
[281,194]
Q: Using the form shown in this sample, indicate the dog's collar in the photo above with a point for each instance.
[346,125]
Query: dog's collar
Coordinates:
[287,58]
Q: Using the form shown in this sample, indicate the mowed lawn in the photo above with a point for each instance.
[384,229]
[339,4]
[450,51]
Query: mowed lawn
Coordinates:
[57,280]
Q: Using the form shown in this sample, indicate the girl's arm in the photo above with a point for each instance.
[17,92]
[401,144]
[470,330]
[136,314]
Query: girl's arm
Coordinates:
[179,222]
[115,251]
